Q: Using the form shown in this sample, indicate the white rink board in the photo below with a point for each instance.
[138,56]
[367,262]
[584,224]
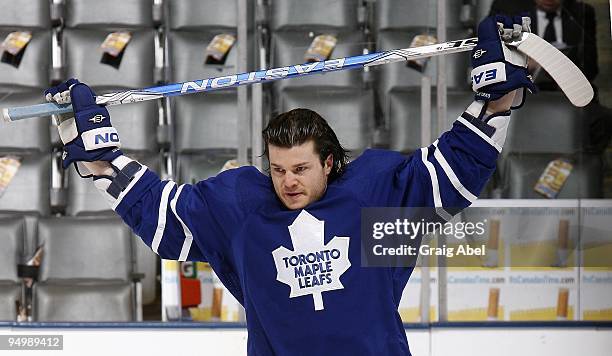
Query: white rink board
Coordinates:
[456,341]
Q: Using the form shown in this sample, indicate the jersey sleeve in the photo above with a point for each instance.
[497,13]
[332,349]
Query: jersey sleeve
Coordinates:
[184,222]
[448,175]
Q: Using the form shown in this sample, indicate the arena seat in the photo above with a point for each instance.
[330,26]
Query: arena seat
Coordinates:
[404,116]
[11,254]
[549,116]
[137,125]
[94,284]
[320,14]
[186,52]
[398,75]
[208,121]
[193,168]
[288,48]
[83,302]
[108,13]
[81,48]
[521,172]
[28,192]
[27,14]
[403,14]
[483,7]
[33,71]
[147,263]
[350,113]
[197,15]
[25,135]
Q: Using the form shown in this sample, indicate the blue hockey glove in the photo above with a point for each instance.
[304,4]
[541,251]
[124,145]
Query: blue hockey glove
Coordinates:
[498,69]
[87,135]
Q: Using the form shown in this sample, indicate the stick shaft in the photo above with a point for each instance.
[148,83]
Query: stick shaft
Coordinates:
[263,76]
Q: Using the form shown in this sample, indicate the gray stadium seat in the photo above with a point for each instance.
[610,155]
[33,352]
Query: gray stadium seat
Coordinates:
[83,302]
[86,272]
[288,48]
[28,192]
[137,125]
[85,249]
[205,121]
[404,116]
[193,168]
[108,13]
[26,14]
[483,7]
[11,254]
[350,113]
[187,56]
[12,251]
[33,71]
[81,48]
[197,15]
[403,14]
[319,14]
[10,293]
[85,199]
[558,125]
[398,75]
[147,263]
[25,135]
[521,172]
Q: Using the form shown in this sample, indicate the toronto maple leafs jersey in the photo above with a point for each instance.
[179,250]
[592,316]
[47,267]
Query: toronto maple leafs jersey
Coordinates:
[298,273]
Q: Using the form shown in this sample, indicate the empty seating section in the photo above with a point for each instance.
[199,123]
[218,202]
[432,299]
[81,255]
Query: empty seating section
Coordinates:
[198,15]
[561,132]
[11,254]
[108,14]
[90,257]
[405,116]
[187,56]
[82,56]
[289,48]
[33,69]
[522,171]
[349,113]
[549,116]
[205,125]
[406,14]
[94,284]
[320,14]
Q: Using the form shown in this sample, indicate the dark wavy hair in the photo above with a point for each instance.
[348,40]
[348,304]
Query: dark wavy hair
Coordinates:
[297,126]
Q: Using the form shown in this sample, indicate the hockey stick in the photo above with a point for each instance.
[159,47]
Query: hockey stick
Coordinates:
[577,87]
[564,72]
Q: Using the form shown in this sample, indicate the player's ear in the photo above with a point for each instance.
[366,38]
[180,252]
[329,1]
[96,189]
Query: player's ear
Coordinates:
[328,164]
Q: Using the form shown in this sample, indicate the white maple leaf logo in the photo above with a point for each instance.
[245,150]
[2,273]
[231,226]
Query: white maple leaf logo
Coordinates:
[312,267]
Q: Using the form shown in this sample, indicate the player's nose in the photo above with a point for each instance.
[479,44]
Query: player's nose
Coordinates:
[290,180]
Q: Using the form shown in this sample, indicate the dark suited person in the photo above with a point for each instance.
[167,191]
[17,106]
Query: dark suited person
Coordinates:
[567,24]
[570,26]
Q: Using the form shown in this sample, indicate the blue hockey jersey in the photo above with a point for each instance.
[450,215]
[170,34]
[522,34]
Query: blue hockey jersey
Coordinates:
[298,273]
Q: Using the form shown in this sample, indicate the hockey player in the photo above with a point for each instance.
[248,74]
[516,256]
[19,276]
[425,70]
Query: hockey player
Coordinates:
[287,246]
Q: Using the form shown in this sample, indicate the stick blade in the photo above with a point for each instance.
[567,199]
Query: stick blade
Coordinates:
[566,74]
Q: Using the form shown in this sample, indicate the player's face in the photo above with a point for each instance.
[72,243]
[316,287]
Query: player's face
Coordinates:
[298,176]
[548,5]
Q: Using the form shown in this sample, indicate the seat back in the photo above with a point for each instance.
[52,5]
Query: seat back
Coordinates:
[99,302]
[85,249]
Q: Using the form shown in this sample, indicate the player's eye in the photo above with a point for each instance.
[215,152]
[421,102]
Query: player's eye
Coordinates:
[278,170]
[300,169]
